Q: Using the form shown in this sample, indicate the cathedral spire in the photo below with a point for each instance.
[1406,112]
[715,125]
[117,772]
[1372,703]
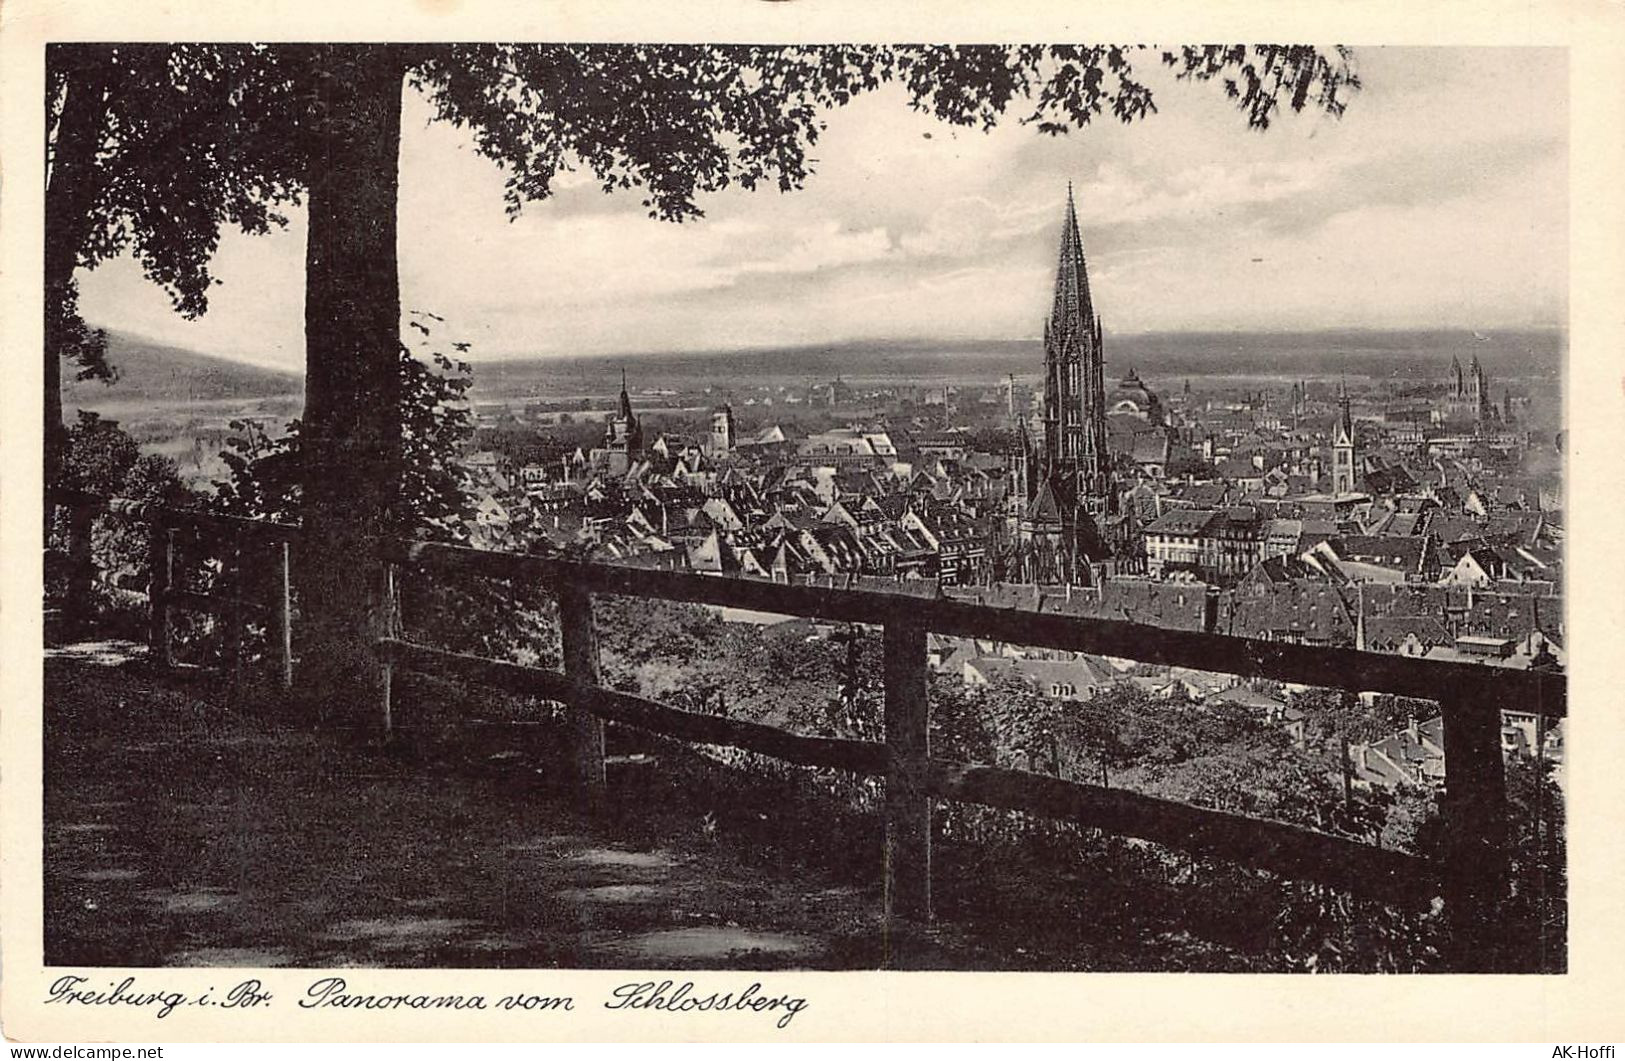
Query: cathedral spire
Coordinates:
[1074,443]
[1074,311]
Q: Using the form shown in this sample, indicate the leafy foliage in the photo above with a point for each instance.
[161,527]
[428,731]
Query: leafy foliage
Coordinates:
[483,616]
[1535,917]
[265,471]
[73,338]
[151,149]
[103,459]
[637,631]
[1334,714]
[183,139]
[678,121]
[192,137]
[100,458]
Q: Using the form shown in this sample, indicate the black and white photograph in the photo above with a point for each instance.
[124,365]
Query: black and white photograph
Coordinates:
[722,510]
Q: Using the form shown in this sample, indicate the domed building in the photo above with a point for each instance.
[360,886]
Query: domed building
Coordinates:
[1131,397]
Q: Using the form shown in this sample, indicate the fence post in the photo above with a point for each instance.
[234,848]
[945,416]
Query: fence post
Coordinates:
[160,576]
[908,807]
[81,567]
[580,643]
[236,632]
[391,628]
[1475,814]
[282,617]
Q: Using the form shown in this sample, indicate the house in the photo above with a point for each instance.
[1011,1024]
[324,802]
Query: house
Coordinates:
[1150,453]
[490,513]
[1300,612]
[1528,735]
[772,435]
[1174,540]
[1281,537]
[1220,545]
[1272,710]
[1276,571]
[1198,496]
[1385,559]
[1485,649]
[1405,635]
[1177,605]
[1055,679]
[1201,684]
[1232,544]
[1477,564]
[1413,757]
[1392,479]
[712,556]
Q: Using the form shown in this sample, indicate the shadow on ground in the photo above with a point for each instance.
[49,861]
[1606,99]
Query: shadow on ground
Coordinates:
[186,824]
[181,831]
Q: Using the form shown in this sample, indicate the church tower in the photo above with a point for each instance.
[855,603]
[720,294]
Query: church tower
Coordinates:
[1069,493]
[624,436]
[1075,378]
[1478,391]
[1343,446]
[721,441]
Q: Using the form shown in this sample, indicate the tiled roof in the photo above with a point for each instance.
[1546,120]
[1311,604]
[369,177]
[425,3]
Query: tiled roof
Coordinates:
[1386,633]
[1184,521]
[1313,613]
[1407,553]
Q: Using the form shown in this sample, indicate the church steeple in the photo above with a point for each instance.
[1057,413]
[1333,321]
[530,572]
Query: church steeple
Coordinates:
[623,437]
[1073,468]
[1345,421]
[1073,311]
[626,399]
[1478,391]
[1075,405]
[1343,462]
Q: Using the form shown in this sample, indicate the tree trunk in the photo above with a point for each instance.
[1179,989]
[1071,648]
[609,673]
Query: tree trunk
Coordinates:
[350,438]
[70,189]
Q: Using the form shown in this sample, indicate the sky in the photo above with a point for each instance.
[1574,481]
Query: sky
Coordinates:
[1439,200]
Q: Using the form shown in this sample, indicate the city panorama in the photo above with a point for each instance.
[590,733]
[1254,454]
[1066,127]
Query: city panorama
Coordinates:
[1055,507]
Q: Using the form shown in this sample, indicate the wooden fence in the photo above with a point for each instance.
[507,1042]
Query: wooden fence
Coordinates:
[1472,878]
[236,540]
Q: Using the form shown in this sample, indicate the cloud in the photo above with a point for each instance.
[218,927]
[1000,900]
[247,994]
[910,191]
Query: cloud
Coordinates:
[746,249]
[1440,198]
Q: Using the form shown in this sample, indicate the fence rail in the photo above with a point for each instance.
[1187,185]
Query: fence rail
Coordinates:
[164,596]
[1341,668]
[1286,849]
[1472,876]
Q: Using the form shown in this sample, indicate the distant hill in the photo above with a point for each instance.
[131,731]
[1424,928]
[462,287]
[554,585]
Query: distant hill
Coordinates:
[1533,354]
[155,372]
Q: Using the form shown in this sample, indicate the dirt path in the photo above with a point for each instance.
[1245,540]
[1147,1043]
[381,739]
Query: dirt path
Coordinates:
[179,832]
